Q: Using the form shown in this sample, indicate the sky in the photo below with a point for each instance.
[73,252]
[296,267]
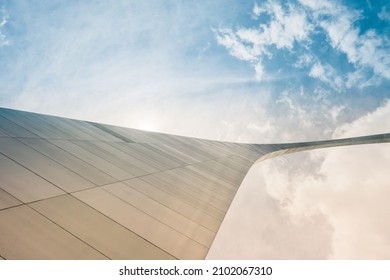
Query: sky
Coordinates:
[243,71]
[248,71]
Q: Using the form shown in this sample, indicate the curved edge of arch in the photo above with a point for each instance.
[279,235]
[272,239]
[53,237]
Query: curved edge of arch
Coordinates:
[306,146]
[290,148]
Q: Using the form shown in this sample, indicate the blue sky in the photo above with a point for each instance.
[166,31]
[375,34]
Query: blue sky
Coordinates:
[252,71]
[249,71]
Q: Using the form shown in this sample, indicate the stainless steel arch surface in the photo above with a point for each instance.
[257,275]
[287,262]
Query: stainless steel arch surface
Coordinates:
[80,190]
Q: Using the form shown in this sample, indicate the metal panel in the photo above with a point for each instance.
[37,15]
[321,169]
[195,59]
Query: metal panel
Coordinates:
[112,156]
[113,148]
[238,162]
[172,210]
[206,196]
[23,184]
[212,148]
[134,135]
[111,132]
[221,171]
[142,224]
[162,213]
[7,200]
[69,161]
[76,130]
[217,176]
[25,234]
[14,130]
[53,172]
[166,154]
[96,161]
[152,158]
[98,231]
[173,151]
[210,178]
[131,150]
[69,132]
[183,145]
[197,215]
[200,184]
[177,192]
[207,181]
[99,131]
[3,134]
[26,120]
[52,128]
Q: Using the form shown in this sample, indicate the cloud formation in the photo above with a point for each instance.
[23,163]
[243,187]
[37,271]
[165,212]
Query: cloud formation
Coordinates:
[106,62]
[163,65]
[286,27]
[324,204]
[384,14]
[351,191]
[3,21]
[326,74]
[257,227]
[296,26]
[366,49]
[158,65]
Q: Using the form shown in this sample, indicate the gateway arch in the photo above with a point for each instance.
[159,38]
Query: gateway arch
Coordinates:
[73,189]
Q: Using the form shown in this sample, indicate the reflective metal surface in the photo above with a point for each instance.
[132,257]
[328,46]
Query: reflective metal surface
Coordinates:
[80,190]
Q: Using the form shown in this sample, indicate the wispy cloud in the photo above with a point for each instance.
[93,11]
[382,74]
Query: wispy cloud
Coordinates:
[297,26]
[106,62]
[363,48]
[163,65]
[326,74]
[286,27]
[384,14]
[3,21]
[146,63]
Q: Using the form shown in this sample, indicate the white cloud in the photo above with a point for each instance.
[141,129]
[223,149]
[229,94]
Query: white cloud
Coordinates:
[353,191]
[326,74]
[336,111]
[318,5]
[257,227]
[304,61]
[126,63]
[325,204]
[119,64]
[286,27]
[233,43]
[259,68]
[361,79]
[318,71]
[4,41]
[384,14]
[263,129]
[363,49]
[366,49]
[298,24]
[312,119]
[376,122]
[257,10]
